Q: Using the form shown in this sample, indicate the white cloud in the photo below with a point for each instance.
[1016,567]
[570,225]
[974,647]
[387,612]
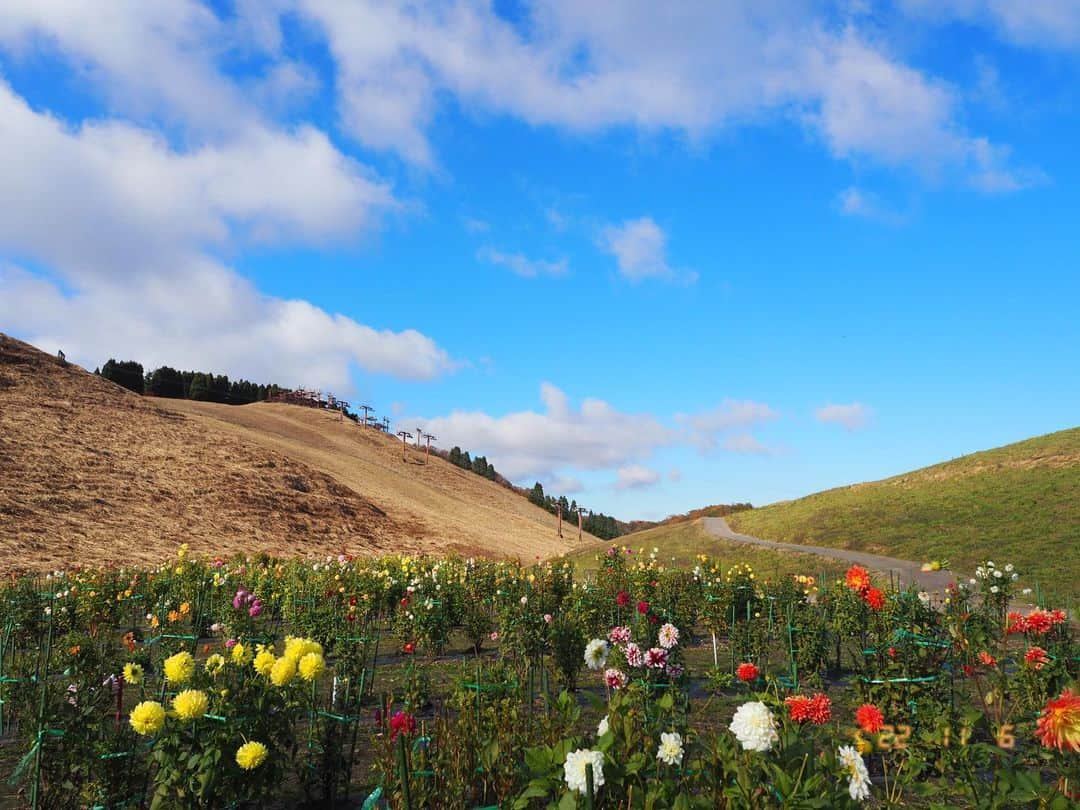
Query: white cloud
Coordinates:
[528,444]
[1049,24]
[705,426]
[591,67]
[145,59]
[852,417]
[640,250]
[856,202]
[128,226]
[635,476]
[563,485]
[522,265]
[746,443]
[639,247]
[474,225]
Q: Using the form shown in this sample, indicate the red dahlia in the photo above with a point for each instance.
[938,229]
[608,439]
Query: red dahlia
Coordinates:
[747,672]
[869,718]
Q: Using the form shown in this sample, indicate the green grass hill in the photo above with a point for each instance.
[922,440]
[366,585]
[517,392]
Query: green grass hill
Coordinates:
[1019,503]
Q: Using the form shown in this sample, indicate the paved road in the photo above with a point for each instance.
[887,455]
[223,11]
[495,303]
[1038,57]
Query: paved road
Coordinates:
[906,570]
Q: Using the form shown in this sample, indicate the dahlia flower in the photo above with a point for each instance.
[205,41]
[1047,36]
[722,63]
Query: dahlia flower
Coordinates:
[402,723]
[747,672]
[1059,723]
[619,635]
[656,658]
[634,656]
[668,636]
[869,718]
[1037,657]
[857,578]
[596,653]
[312,666]
[147,717]
[615,678]
[264,662]
[754,726]
[251,755]
[179,668]
[874,597]
[283,671]
[574,769]
[133,674]
[855,768]
[816,709]
[671,748]
[190,704]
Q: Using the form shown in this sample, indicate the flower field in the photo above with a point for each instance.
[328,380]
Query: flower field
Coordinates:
[419,682]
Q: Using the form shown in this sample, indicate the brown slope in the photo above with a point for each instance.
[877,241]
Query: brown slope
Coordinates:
[456,510]
[91,473]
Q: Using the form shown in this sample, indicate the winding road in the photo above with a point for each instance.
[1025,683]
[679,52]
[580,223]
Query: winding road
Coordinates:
[905,570]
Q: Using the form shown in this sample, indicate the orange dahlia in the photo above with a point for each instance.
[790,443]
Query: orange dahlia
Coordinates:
[858,578]
[1037,657]
[1059,723]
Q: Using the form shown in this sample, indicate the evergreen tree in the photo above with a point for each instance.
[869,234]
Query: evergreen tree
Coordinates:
[536,494]
[165,382]
[127,373]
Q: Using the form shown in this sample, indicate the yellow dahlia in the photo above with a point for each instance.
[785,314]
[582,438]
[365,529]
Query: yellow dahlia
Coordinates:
[190,704]
[251,755]
[296,648]
[147,717]
[312,666]
[264,662]
[133,674]
[283,671]
[240,654]
[179,668]
[215,663]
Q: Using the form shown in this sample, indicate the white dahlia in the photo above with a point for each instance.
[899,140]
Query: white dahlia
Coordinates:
[596,653]
[754,726]
[574,769]
[671,748]
[855,768]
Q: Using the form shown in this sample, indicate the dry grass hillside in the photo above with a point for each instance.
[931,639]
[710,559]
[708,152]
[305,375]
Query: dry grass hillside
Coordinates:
[91,473]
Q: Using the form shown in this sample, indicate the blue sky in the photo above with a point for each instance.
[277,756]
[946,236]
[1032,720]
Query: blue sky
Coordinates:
[652,259]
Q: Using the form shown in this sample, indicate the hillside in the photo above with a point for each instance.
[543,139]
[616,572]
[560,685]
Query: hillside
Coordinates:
[1019,503]
[92,473]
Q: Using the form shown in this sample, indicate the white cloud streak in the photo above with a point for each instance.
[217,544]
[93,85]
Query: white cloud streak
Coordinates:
[1042,24]
[523,266]
[635,476]
[852,417]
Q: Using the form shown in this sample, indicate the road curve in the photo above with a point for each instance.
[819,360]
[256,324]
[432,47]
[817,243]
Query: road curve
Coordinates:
[906,571]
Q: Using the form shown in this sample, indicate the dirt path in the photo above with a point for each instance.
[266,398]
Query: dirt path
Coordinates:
[905,571]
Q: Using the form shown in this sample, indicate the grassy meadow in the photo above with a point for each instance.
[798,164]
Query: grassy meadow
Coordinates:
[1019,503]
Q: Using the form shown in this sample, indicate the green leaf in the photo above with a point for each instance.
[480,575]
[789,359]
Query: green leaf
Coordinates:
[539,760]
